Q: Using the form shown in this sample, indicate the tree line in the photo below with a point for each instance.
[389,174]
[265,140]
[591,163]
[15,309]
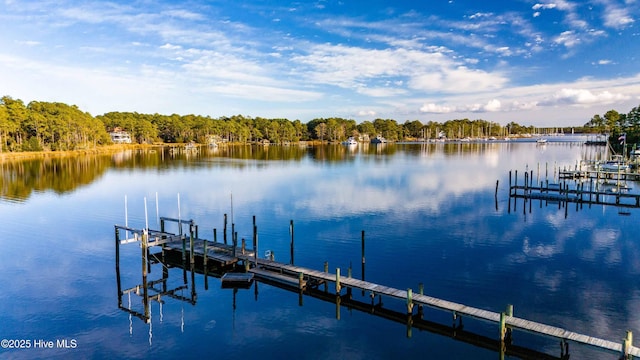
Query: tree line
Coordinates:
[615,124]
[55,126]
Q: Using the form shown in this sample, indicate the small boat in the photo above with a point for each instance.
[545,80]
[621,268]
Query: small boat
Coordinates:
[541,141]
[615,164]
[350,141]
[379,140]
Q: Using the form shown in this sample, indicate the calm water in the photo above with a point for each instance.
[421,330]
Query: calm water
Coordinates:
[428,211]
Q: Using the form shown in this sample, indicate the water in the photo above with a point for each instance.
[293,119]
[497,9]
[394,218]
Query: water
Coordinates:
[429,213]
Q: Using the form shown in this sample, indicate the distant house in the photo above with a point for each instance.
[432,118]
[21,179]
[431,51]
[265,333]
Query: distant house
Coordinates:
[120,137]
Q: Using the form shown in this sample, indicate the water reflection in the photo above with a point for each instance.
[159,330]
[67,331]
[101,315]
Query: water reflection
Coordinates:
[20,178]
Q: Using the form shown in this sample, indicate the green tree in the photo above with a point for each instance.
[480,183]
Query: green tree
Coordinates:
[597,124]
[612,120]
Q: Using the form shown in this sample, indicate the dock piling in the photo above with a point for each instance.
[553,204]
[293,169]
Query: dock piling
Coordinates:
[225,229]
[191,234]
[205,253]
[627,343]
[409,301]
[363,260]
[291,244]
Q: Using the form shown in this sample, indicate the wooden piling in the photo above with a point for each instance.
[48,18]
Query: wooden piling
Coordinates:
[215,235]
[205,253]
[145,290]
[184,247]
[291,233]
[117,246]
[627,342]
[224,235]
[496,193]
[338,287]
[409,301]
[118,266]
[191,234]
[235,245]
[326,271]
[531,179]
[363,260]
[421,292]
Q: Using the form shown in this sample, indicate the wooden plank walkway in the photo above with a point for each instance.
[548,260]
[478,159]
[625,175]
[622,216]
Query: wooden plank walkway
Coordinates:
[279,278]
[457,308]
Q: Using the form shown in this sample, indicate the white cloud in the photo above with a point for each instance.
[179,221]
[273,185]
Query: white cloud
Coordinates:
[457,80]
[380,91]
[567,38]
[543,6]
[480,15]
[569,96]
[436,109]
[183,14]
[617,18]
[263,93]
[366,113]
[168,46]
[493,105]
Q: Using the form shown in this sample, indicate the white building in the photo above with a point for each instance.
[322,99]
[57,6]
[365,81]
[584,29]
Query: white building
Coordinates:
[120,137]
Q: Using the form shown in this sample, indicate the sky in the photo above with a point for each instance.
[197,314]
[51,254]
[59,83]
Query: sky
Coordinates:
[541,63]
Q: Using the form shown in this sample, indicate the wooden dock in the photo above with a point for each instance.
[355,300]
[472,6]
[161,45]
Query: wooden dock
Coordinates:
[224,255]
[601,191]
[504,319]
[597,175]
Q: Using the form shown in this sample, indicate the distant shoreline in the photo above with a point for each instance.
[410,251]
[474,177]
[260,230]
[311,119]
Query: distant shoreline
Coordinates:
[26,155]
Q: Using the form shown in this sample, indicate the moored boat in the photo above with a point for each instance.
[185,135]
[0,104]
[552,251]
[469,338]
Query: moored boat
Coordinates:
[616,164]
[350,141]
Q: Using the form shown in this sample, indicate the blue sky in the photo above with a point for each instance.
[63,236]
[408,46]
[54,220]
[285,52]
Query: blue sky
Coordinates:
[542,63]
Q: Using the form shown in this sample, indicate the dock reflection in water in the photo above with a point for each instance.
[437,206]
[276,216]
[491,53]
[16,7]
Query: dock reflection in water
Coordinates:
[229,259]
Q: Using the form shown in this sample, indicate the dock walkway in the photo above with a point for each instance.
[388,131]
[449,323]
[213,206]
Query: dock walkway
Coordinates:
[433,302]
[192,247]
